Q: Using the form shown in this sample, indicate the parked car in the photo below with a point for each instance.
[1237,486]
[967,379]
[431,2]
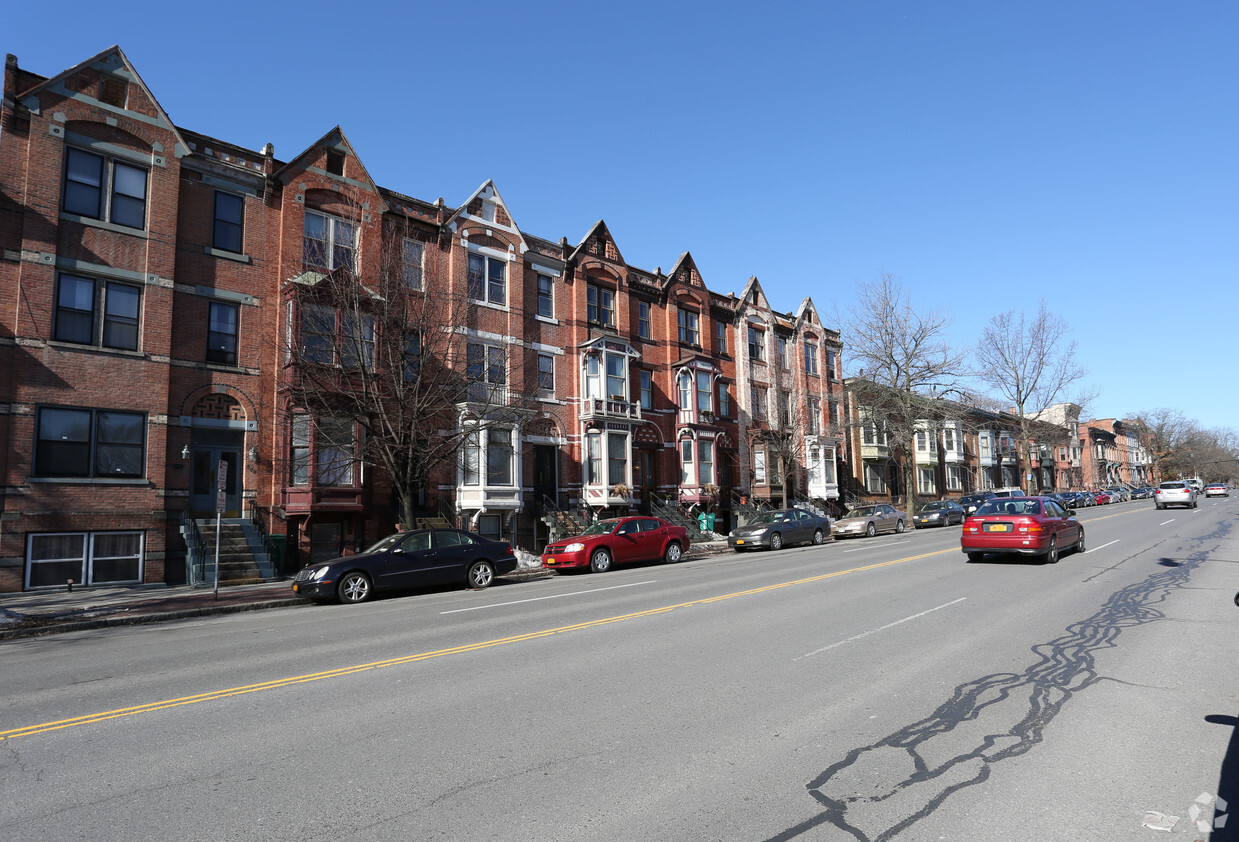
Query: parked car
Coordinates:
[1102,497]
[1175,492]
[1033,526]
[1009,491]
[939,513]
[1077,499]
[870,520]
[408,560]
[775,530]
[618,540]
[970,502]
[1217,489]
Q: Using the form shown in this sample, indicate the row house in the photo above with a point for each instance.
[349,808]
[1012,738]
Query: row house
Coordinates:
[176,295]
[1114,453]
[956,449]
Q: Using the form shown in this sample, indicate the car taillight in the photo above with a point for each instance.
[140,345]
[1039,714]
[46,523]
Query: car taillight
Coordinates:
[1031,526]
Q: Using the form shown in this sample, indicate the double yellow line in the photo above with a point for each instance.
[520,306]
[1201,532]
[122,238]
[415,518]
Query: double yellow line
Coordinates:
[44,727]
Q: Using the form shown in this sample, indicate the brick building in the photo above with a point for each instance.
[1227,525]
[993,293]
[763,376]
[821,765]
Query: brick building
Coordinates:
[164,285]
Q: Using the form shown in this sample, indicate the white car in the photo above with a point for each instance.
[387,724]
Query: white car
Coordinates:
[1217,489]
[1175,493]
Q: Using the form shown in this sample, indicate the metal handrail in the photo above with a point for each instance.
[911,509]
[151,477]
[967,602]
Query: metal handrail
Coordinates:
[195,548]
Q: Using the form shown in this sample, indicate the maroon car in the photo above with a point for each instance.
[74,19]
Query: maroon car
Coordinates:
[619,540]
[1037,526]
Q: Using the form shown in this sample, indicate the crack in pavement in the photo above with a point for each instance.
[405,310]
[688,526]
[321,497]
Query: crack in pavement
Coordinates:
[1000,716]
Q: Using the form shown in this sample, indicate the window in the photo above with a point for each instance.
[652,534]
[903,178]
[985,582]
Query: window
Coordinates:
[954,478]
[643,319]
[757,341]
[593,459]
[810,359]
[318,333]
[88,558]
[688,327]
[724,401]
[948,440]
[300,461]
[815,416]
[334,452]
[830,365]
[617,459]
[412,357]
[600,305]
[546,303]
[229,222]
[486,368]
[617,377]
[686,463]
[335,162]
[785,408]
[498,457]
[330,242]
[705,462]
[781,345]
[412,262]
[105,189]
[471,456]
[874,483]
[925,481]
[488,279]
[97,312]
[357,341]
[758,395]
[720,337]
[647,390]
[759,467]
[835,416]
[921,445]
[546,374]
[222,333]
[869,433]
[704,392]
[89,443]
[685,381]
[985,446]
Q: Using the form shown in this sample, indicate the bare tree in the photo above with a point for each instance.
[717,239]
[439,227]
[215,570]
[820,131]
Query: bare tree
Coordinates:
[903,364]
[1030,363]
[1164,431]
[380,368]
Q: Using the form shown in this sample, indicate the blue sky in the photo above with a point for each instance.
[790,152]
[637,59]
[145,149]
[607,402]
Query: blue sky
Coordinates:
[990,154]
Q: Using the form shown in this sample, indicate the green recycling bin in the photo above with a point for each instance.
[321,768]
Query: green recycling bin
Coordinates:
[705,521]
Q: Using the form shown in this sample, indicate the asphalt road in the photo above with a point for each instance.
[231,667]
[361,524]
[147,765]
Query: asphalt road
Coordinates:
[864,690]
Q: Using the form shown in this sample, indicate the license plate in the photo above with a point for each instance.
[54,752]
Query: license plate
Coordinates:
[739,540]
[296,588]
[997,527]
[550,561]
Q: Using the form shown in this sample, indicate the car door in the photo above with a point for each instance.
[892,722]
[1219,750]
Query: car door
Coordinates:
[1066,527]
[651,538]
[406,563]
[627,541]
[886,518]
[454,552]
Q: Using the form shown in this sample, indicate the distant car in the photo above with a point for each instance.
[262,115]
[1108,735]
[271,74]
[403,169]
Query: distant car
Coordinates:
[1175,493]
[1009,491]
[970,502]
[870,520]
[1217,489]
[1034,526]
[408,560]
[775,530]
[1102,497]
[1077,499]
[619,540]
[939,513]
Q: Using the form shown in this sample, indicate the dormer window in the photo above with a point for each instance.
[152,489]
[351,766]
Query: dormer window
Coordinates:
[688,327]
[335,162]
[600,305]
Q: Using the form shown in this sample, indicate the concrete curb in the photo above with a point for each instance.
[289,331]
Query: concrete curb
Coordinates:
[36,628]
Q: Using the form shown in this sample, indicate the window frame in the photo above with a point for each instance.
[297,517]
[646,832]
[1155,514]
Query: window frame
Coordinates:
[545,295]
[219,224]
[688,322]
[600,305]
[108,190]
[546,375]
[91,449]
[757,344]
[103,320]
[720,337]
[643,320]
[222,355]
[86,567]
[810,359]
[333,246]
[413,267]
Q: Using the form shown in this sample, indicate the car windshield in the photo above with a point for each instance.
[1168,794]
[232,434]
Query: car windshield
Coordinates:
[602,527]
[1173,485]
[386,543]
[1010,507]
[771,517]
[863,511]
[935,505]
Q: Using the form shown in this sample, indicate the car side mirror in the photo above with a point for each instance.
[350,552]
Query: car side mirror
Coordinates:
[1071,513]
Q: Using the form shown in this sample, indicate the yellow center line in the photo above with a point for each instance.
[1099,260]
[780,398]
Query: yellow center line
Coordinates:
[150,707]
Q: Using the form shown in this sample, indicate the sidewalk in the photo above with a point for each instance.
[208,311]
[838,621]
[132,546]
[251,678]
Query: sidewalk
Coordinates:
[34,613]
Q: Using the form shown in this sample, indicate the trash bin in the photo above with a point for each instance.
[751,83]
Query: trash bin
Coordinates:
[705,521]
[277,546]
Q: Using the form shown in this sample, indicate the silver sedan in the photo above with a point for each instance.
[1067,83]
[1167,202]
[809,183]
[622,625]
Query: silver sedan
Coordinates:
[870,520]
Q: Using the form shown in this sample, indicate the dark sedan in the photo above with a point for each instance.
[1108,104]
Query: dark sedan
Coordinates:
[775,530]
[408,560]
[939,513]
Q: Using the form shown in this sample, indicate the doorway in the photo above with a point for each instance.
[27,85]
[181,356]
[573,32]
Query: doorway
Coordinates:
[204,478]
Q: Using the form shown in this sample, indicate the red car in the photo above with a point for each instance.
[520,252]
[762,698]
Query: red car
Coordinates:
[1036,526]
[1102,497]
[619,540]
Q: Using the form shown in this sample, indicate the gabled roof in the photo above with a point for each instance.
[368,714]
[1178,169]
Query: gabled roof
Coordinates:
[334,140]
[488,193]
[685,271]
[112,62]
[746,297]
[595,243]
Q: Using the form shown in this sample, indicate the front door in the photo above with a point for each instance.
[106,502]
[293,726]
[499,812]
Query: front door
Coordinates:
[545,476]
[643,478]
[205,480]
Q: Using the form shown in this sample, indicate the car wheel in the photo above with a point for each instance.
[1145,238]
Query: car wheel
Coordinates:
[898,527]
[673,553]
[354,587]
[600,561]
[975,556]
[1080,542]
[1051,555]
[776,541]
[871,530]
[818,537]
[1157,506]
[481,574]
[1193,504]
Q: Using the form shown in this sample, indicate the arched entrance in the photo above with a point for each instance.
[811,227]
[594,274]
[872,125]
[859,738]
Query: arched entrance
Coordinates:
[218,436]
